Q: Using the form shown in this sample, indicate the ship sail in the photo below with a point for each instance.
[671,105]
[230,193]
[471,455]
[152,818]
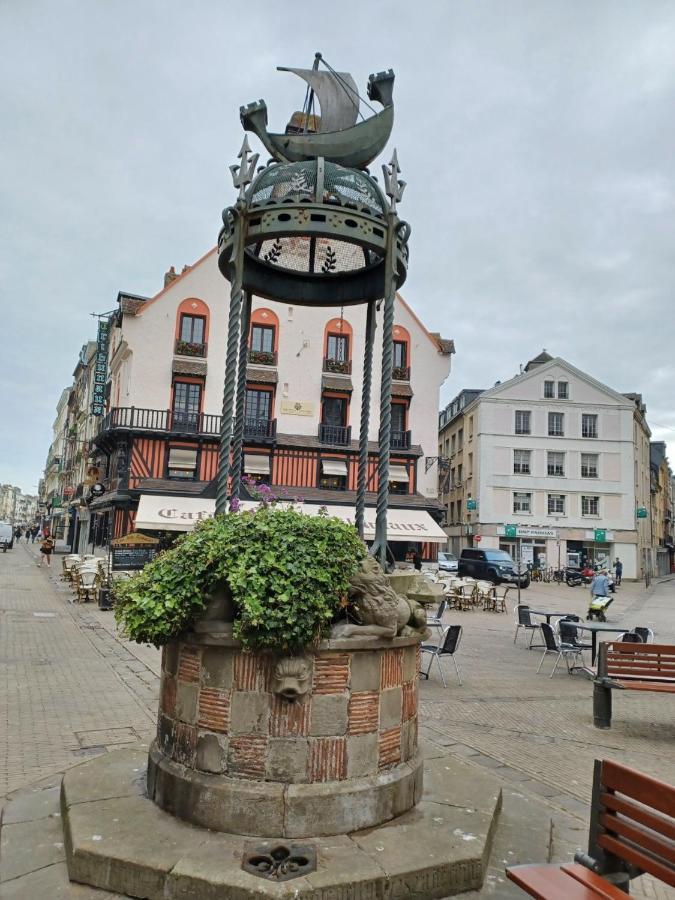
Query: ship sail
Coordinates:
[338,97]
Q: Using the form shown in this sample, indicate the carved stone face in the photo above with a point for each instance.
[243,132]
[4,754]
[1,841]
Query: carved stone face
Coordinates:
[291,677]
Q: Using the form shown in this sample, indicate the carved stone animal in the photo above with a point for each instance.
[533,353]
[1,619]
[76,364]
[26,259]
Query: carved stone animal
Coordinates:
[380,611]
[291,677]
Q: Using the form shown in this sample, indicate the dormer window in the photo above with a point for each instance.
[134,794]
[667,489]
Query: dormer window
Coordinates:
[563,390]
[549,390]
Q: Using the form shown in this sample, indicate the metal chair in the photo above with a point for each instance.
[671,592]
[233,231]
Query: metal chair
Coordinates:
[631,637]
[524,621]
[562,651]
[435,620]
[569,633]
[448,647]
[646,634]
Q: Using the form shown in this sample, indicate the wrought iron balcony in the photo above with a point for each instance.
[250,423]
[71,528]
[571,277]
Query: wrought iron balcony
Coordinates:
[262,357]
[401,373]
[335,434]
[400,440]
[337,366]
[133,418]
[190,348]
[259,429]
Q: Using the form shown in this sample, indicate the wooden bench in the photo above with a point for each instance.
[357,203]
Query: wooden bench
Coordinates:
[630,667]
[632,831]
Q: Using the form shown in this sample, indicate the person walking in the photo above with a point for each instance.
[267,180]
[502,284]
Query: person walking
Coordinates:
[46,549]
[618,571]
[34,533]
[417,561]
[600,585]
[17,534]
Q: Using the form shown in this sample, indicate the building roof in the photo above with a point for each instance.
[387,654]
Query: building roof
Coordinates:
[543,357]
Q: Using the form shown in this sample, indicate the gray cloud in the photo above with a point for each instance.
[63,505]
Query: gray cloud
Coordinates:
[536,139]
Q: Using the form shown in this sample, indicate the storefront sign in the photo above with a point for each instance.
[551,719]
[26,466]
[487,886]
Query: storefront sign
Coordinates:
[471,504]
[131,558]
[134,539]
[527,531]
[642,512]
[600,535]
[100,368]
[297,408]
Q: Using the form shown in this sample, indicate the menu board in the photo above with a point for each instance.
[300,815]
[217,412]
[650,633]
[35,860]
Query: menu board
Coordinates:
[131,558]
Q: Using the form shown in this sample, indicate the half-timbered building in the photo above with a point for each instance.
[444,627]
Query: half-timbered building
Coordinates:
[158,438]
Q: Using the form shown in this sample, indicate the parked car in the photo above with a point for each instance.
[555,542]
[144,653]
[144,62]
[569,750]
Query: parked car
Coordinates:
[447,562]
[491,565]
[6,536]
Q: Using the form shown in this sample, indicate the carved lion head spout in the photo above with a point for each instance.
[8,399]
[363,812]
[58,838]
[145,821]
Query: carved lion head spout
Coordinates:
[291,677]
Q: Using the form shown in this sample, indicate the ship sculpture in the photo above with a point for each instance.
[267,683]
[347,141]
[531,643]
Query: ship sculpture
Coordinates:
[335,134]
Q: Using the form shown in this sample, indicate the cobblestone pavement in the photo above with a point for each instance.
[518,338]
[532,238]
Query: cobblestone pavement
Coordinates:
[70,688]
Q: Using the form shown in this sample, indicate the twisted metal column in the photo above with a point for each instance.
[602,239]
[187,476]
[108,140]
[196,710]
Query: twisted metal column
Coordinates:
[238,440]
[365,420]
[379,548]
[236,300]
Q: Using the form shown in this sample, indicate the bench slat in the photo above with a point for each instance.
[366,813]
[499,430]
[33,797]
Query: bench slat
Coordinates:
[660,847]
[641,860]
[646,686]
[603,888]
[662,649]
[643,788]
[639,814]
[552,883]
[635,666]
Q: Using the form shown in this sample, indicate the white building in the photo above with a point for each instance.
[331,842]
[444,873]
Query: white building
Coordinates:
[550,456]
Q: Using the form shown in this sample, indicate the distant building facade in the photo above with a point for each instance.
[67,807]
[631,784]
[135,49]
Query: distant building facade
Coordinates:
[549,461]
[662,509]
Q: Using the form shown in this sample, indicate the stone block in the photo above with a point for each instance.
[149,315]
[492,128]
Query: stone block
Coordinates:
[165,735]
[287,760]
[363,712]
[217,668]
[410,700]
[410,663]
[211,753]
[214,709]
[390,708]
[249,713]
[170,654]
[362,755]
[329,715]
[390,747]
[409,739]
[365,671]
[167,696]
[186,702]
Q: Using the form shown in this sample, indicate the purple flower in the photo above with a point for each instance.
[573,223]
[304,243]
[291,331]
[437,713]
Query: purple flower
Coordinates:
[235,504]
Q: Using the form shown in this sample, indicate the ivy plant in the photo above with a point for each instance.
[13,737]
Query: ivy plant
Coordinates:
[288,575]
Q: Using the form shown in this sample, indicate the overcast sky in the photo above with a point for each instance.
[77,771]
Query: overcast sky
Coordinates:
[536,139]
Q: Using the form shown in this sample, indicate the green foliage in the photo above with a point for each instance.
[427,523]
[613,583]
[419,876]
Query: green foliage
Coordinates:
[288,574]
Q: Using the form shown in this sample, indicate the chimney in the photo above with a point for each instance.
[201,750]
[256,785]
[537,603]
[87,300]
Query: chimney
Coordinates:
[170,276]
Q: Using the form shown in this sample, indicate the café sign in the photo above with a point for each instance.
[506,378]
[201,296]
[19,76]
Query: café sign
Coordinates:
[100,367]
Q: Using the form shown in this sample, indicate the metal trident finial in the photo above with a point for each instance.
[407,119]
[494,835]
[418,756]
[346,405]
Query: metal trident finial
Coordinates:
[242,174]
[392,186]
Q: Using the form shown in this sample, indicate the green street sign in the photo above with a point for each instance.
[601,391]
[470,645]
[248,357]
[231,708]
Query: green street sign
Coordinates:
[471,504]
[56,501]
[600,535]
[510,531]
[642,512]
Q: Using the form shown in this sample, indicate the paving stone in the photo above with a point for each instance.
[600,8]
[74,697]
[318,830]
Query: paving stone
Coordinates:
[51,883]
[28,846]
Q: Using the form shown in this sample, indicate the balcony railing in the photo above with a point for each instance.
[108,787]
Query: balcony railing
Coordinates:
[401,373]
[400,440]
[259,429]
[262,357]
[137,419]
[335,434]
[190,348]
[337,366]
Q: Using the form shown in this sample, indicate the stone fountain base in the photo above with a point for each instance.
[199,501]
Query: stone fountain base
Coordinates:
[119,841]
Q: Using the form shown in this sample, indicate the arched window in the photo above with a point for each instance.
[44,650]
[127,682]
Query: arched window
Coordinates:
[192,328]
[401,354]
[263,341]
[337,346]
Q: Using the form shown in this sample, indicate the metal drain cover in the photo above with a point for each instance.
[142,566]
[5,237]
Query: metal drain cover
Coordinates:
[278,861]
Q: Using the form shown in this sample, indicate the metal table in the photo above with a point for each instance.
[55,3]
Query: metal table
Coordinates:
[549,614]
[594,628]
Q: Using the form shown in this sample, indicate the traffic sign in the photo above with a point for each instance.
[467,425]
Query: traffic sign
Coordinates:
[478,539]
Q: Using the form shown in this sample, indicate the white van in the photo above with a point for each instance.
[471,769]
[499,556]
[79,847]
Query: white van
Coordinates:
[6,536]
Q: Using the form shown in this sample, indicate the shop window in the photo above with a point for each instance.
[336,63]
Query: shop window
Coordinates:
[182,463]
[398,479]
[333,475]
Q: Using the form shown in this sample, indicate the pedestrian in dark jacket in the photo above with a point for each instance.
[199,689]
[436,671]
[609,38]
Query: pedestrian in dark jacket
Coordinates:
[618,571]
